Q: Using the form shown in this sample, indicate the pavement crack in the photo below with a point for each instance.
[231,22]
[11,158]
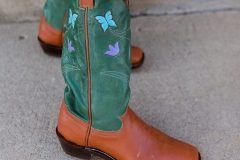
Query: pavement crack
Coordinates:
[148,13]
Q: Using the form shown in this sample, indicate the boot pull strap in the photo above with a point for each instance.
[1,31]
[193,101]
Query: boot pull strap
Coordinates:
[90,3]
[86,3]
[127,2]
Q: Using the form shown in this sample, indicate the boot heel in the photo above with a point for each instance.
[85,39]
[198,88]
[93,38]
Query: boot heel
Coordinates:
[49,49]
[73,149]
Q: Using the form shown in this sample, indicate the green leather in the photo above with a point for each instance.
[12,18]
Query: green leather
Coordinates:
[110,75]
[54,12]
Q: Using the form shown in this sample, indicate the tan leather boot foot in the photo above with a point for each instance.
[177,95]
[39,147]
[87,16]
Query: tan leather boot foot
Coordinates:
[134,141]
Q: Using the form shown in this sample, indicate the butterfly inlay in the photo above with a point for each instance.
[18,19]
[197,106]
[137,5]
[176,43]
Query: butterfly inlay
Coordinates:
[113,50]
[70,46]
[106,21]
[72,18]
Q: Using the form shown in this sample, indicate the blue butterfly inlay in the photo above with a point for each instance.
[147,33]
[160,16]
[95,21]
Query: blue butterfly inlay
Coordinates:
[106,21]
[113,50]
[72,18]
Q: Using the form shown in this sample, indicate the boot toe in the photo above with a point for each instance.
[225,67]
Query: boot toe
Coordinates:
[137,57]
[182,151]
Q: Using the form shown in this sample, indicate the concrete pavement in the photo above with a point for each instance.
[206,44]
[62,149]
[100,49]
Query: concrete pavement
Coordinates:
[189,85]
[30,10]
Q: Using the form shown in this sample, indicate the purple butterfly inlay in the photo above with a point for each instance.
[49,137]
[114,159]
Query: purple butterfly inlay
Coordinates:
[113,50]
[70,46]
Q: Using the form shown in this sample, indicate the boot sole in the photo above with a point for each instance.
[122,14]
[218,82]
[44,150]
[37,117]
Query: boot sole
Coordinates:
[81,152]
[85,152]
[57,51]
[139,64]
[50,49]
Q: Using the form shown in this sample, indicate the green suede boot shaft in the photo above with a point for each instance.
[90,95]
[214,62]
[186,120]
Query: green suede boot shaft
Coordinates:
[108,25]
[54,12]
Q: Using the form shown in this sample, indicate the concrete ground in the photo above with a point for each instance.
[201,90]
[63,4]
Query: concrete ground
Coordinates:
[189,85]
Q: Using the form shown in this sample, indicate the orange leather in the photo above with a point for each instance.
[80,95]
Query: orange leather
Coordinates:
[86,3]
[72,128]
[137,55]
[89,79]
[90,3]
[134,141]
[48,34]
[127,2]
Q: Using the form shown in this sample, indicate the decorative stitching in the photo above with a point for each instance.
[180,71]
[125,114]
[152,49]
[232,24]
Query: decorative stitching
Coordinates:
[69,68]
[121,35]
[121,76]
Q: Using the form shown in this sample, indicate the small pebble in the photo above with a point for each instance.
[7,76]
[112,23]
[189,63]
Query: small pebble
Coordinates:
[22,37]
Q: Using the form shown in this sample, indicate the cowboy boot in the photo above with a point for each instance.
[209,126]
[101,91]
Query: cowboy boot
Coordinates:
[94,118]
[50,33]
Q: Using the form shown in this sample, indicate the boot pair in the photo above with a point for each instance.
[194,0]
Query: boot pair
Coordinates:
[95,118]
